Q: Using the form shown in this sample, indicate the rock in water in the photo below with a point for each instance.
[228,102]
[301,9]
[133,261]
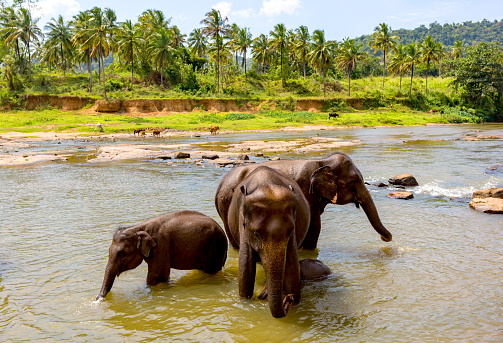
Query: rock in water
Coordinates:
[401,195]
[404,180]
[487,205]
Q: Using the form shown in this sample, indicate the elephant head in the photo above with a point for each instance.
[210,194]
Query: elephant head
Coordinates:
[273,218]
[339,181]
[127,252]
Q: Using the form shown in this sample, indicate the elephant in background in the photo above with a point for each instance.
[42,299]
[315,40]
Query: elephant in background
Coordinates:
[334,179]
[181,240]
[268,218]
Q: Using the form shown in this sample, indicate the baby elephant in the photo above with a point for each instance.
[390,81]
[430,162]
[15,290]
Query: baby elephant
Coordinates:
[181,240]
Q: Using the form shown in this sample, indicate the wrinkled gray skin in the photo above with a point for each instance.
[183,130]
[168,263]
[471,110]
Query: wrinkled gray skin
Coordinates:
[181,240]
[311,269]
[268,218]
[334,179]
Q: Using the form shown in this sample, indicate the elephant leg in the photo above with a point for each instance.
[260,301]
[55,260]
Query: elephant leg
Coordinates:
[291,283]
[158,272]
[313,232]
[247,270]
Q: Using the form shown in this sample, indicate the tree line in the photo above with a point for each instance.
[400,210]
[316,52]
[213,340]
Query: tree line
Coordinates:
[153,44]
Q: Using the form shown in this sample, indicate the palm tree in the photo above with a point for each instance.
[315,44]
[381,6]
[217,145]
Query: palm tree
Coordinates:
[457,49]
[383,40]
[260,50]
[198,42]
[59,38]
[397,62]
[302,45]
[24,27]
[111,22]
[99,39]
[349,53]
[216,27]
[130,40]
[413,58]
[431,52]
[153,20]
[321,55]
[243,42]
[278,41]
[178,37]
[81,23]
[160,48]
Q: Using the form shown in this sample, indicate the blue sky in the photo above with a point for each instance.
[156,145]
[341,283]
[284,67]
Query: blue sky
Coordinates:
[339,19]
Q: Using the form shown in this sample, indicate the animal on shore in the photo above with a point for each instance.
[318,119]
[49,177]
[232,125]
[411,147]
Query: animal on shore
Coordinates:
[433,110]
[214,129]
[156,133]
[138,131]
[99,127]
[142,132]
[182,240]
[333,115]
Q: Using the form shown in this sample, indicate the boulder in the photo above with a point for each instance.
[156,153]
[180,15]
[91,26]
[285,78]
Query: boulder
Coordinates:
[380,184]
[404,180]
[243,157]
[181,154]
[401,195]
[275,158]
[489,193]
[498,168]
[164,157]
[209,157]
[487,205]
[221,161]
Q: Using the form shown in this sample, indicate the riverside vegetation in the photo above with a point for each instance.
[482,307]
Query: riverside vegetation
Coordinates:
[152,59]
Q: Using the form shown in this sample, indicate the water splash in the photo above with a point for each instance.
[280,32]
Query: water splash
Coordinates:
[437,189]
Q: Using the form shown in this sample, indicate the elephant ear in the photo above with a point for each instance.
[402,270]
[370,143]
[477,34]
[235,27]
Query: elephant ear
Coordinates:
[324,183]
[145,243]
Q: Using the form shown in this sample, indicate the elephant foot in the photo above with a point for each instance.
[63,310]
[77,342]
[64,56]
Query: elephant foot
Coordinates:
[263,295]
[287,302]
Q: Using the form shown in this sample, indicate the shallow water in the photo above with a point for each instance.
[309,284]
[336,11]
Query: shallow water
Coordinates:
[438,280]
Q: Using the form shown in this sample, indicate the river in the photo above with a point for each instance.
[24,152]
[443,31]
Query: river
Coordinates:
[439,280]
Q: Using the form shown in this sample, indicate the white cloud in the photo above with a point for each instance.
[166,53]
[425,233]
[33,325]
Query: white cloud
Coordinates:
[273,8]
[224,7]
[47,9]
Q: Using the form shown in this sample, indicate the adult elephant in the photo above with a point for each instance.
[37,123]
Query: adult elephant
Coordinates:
[334,179]
[268,218]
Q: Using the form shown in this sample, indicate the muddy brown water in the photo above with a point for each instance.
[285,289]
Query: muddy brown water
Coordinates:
[439,280]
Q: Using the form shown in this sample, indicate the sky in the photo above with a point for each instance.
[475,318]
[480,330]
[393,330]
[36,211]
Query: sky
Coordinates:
[339,19]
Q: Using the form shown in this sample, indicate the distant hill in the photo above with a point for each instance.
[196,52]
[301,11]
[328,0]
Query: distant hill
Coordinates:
[469,33]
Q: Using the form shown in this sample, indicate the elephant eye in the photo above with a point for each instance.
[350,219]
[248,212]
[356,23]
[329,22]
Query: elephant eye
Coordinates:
[120,254]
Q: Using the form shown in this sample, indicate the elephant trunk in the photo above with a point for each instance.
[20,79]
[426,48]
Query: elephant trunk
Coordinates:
[108,282]
[274,273]
[369,207]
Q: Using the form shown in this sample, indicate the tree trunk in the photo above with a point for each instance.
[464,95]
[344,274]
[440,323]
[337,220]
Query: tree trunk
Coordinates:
[132,66]
[411,76]
[427,70]
[349,76]
[282,77]
[29,60]
[400,82]
[89,69]
[245,62]
[218,61]
[62,60]
[104,88]
[304,64]
[384,70]
[324,85]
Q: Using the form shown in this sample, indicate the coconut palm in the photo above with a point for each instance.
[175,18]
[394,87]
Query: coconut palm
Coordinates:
[347,56]
[397,62]
[431,52]
[59,38]
[160,48]
[153,20]
[382,39]
[111,22]
[260,51]
[232,36]
[130,40]
[302,45]
[412,59]
[81,23]
[25,28]
[320,56]
[243,42]
[278,42]
[216,27]
[457,49]
[198,42]
[99,39]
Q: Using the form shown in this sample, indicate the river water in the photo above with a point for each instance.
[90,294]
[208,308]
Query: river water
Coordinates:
[439,280]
